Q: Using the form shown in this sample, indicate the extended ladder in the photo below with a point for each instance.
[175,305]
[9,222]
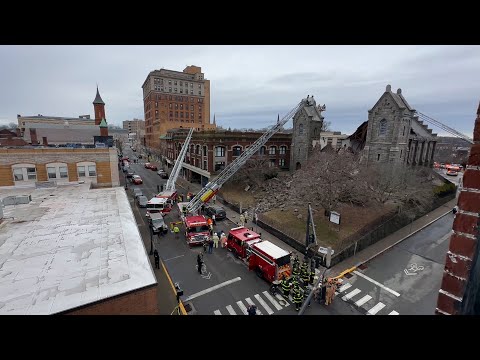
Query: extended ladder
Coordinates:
[214,186]
[178,163]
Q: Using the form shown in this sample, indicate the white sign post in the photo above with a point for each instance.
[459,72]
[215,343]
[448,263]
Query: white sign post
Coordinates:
[335,218]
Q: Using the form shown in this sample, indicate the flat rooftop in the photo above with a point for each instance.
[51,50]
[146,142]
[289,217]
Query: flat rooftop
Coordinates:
[69,247]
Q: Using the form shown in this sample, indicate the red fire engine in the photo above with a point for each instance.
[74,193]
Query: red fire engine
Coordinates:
[269,261]
[170,197]
[196,229]
[240,239]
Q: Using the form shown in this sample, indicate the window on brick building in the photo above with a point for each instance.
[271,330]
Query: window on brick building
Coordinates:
[92,170]
[262,150]
[169,82]
[281,162]
[237,150]
[52,172]
[204,164]
[175,83]
[219,151]
[63,172]
[170,90]
[271,163]
[272,150]
[181,106]
[191,115]
[283,150]
[204,151]
[176,106]
[81,171]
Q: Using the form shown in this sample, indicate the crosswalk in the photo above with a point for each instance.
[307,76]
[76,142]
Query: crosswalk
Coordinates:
[265,303]
[363,301]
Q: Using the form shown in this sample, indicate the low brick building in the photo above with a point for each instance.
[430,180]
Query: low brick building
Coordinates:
[11,138]
[211,151]
[73,250]
[27,165]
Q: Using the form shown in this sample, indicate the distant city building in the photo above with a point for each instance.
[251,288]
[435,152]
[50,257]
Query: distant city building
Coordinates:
[174,99]
[210,151]
[335,139]
[395,134]
[63,131]
[73,250]
[452,150]
[11,138]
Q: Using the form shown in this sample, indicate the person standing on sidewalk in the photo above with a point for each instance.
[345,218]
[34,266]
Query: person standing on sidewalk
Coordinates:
[157,259]
[199,263]
[213,219]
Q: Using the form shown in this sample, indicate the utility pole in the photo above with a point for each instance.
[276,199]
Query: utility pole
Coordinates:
[311,235]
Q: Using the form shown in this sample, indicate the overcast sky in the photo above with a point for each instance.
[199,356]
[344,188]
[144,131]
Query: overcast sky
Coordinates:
[250,85]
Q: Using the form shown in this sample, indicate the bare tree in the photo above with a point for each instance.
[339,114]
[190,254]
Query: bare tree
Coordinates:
[330,178]
[407,186]
[255,172]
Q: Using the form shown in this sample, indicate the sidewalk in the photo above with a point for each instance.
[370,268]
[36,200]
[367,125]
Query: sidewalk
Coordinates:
[393,239]
[233,216]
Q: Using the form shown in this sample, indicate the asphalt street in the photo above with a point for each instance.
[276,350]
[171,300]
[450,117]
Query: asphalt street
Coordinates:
[406,278]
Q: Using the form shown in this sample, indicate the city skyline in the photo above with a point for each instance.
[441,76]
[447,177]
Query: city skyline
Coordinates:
[250,85]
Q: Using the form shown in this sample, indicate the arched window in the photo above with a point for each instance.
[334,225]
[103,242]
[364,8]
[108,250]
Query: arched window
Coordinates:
[204,150]
[262,150]
[300,129]
[198,149]
[237,150]
[383,127]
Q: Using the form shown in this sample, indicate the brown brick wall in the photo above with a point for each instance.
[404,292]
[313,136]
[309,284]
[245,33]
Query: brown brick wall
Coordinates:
[72,172]
[463,243]
[104,175]
[6,176]
[140,302]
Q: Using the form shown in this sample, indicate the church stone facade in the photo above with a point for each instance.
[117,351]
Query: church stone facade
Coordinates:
[395,134]
[307,125]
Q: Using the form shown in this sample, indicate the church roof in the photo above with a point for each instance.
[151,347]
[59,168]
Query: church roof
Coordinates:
[98,99]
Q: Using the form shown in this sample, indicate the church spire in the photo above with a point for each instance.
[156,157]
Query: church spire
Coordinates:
[214,122]
[98,99]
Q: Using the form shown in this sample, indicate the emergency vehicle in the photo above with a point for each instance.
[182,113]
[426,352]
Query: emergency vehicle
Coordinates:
[269,261]
[169,196]
[196,230]
[158,205]
[240,239]
[181,205]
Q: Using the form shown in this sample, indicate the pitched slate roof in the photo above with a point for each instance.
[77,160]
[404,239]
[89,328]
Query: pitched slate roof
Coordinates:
[98,99]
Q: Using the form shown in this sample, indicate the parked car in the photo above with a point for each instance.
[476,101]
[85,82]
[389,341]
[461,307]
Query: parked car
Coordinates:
[153,167]
[219,212]
[147,165]
[452,172]
[142,201]
[130,174]
[137,192]
[137,180]
[162,174]
[157,224]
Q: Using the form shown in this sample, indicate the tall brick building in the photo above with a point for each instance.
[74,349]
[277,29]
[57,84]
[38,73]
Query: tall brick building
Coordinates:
[174,99]
[460,290]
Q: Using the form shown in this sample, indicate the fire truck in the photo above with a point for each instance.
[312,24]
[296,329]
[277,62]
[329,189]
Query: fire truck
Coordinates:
[170,198]
[158,205]
[239,240]
[268,260]
[196,229]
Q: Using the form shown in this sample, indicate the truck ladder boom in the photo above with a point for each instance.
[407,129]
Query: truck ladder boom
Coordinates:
[444,127]
[235,165]
[178,163]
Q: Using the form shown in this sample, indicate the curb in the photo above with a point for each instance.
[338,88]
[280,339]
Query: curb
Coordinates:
[402,239]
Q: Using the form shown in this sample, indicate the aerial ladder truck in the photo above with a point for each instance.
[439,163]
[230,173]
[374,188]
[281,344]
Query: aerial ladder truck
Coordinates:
[169,194]
[214,186]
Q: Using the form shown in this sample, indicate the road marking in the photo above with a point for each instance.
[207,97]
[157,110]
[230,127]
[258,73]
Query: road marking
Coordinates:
[175,257]
[217,312]
[213,288]
[272,300]
[242,307]
[376,283]
[280,297]
[230,310]
[363,300]
[376,308]
[394,313]
[351,294]
[250,302]
[344,287]
[264,304]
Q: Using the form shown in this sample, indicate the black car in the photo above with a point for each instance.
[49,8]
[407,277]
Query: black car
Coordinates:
[158,224]
[130,174]
[219,212]
[162,174]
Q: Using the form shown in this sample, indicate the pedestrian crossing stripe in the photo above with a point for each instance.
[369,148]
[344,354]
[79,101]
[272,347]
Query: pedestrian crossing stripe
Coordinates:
[394,313]
[363,300]
[376,308]
[282,302]
[351,294]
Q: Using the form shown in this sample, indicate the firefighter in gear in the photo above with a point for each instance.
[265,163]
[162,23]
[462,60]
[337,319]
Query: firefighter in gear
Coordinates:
[297,297]
[304,266]
[296,270]
[305,277]
[295,281]
[330,292]
[312,276]
[286,286]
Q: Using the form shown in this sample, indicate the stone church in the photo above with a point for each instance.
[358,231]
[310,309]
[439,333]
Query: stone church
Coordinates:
[395,134]
[307,125]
